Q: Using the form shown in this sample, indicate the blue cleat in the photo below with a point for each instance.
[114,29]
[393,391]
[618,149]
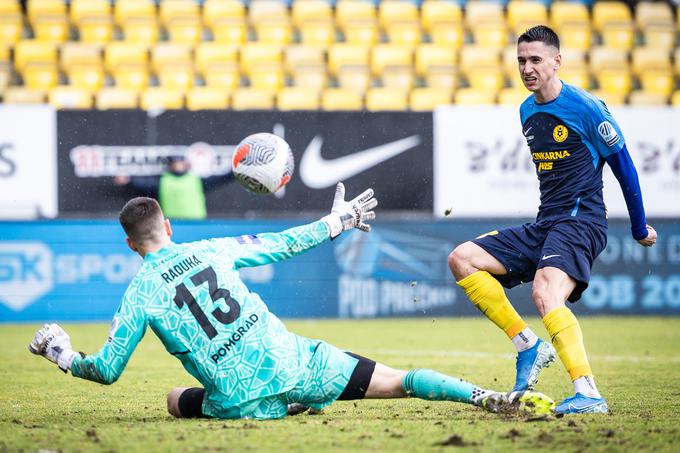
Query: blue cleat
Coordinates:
[581,404]
[530,363]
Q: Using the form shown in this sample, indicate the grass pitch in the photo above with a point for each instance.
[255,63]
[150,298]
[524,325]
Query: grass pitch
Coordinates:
[636,360]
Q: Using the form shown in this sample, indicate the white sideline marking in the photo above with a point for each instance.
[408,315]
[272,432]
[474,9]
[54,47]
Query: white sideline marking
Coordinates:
[491,355]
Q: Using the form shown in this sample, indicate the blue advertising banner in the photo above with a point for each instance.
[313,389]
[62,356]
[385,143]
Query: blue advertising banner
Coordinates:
[78,270]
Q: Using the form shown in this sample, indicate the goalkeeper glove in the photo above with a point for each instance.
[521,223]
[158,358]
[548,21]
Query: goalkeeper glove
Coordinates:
[350,214]
[54,344]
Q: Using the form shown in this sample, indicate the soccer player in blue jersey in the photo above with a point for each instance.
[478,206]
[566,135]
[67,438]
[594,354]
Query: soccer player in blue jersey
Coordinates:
[571,135]
[250,366]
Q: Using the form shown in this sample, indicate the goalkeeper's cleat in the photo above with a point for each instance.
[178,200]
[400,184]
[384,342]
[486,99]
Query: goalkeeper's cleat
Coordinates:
[296,408]
[530,363]
[532,404]
[581,404]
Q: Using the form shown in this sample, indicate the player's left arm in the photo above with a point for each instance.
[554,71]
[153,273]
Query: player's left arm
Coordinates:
[612,147]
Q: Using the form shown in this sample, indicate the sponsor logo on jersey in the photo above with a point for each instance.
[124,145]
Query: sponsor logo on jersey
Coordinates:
[248,239]
[235,338]
[560,133]
[608,133]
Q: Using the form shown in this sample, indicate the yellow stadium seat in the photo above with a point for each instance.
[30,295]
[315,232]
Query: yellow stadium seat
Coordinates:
[142,30]
[434,11]
[653,14]
[609,98]
[641,98]
[524,14]
[161,98]
[427,99]
[10,7]
[5,76]
[576,36]
[479,12]
[170,10]
[604,57]
[568,14]
[485,79]
[362,31]
[311,10]
[646,58]
[429,55]
[229,31]
[354,77]
[384,55]
[125,9]
[70,98]
[618,35]
[40,75]
[574,58]
[34,51]
[178,76]
[187,30]
[472,96]
[657,81]
[21,95]
[80,9]
[274,31]
[310,76]
[252,99]
[676,59]
[576,77]
[615,81]
[404,32]
[401,77]
[512,96]
[4,53]
[509,60]
[659,36]
[11,28]
[222,75]
[254,53]
[123,52]
[341,99]
[490,34]
[608,12]
[215,10]
[207,98]
[96,30]
[87,76]
[347,54]
[260,10]
[76,53]
[134,76]
[52,28]
[37,8]
[214,52]
[166,52]
[267,76]
[444,76]
[347,10]
[301,54]
[298,98]
[116,98]
[675,99]
[317,32]
[386,99]
[448,33]
[474,57]
[394,11]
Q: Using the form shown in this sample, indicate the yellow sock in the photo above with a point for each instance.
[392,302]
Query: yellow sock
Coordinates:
[565,332]
[489,297]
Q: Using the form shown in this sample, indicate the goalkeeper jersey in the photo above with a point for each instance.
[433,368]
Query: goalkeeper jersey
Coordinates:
[191,296]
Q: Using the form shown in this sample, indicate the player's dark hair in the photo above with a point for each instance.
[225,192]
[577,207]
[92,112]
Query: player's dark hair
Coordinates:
[540,33]
[142,219]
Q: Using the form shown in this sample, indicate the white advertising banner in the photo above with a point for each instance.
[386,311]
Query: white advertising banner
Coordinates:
[28,162]
[483,168]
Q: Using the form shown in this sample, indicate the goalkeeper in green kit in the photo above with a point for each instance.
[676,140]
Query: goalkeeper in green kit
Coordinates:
[249,365]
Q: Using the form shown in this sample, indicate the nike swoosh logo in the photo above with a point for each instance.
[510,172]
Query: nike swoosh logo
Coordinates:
[527,131]
[548,257]
[319,173]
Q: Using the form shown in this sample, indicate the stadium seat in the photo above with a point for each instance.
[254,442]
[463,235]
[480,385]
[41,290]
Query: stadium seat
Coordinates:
[179,76]
[576,77]
[10,7]
[448,34]
[618,35]
[512,96]
[70,98]
[4,53]
[141,30]
[474,57]
[81,9]
[653,14]
[617,81]
[126,9]
[166,52]
[116,98]
[608,12]
[577,36]
[187,30]
[229,31]
[96,30]
[134,76]
[346,10]
[386,99]
[362,32]
[430,54]
[657,81]
[354,77]
[76,53]
[252,99]
[22,95]
[641,98]
[208,52]
[216,10]
[169,10]
[298,98]
[317,32]
[676,59]
[274,31]
[301,54]
[254,53]
[649,58]
[11,28]
[427,98]
[510,65]
[443,76]
[40,75]
[384,55]
[119,52]
[267,76]
[435,11]
[260,10]
[396,11]
[490,34]
[404,33]
[86,76]
[303,12]
[485,79]
[222,75]
[400,77]
[659,36]
[480,12]
[207,98]
[523,14]
[341,54]
[604,57]
[568,14]
[609,98]
[161,98]
[472,96]
[52,28]
[37,8]
[34,51]
[675,99]
[310,76]
[574,59]
[341,99]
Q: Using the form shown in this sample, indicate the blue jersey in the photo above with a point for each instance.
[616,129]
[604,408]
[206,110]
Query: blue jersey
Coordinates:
[569,138]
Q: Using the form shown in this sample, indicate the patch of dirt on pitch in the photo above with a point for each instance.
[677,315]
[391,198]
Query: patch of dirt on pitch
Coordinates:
[512,434]
[544,437]
[455,440]
[92,434]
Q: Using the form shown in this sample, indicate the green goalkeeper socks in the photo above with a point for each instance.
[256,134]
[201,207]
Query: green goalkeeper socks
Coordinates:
[433,386]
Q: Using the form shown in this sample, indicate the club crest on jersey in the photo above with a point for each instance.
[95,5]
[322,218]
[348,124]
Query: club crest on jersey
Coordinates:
[560,133]
[608,133]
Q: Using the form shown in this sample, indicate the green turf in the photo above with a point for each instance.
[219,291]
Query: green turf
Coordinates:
[636,360]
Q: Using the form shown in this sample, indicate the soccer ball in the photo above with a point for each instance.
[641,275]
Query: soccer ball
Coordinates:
[263,163]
